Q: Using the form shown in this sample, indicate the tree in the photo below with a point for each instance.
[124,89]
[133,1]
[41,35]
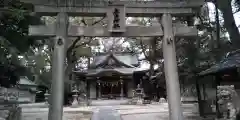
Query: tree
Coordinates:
[225,6]
[14,22]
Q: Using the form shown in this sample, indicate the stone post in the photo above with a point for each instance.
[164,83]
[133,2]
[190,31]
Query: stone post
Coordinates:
[170,68]
[57,87]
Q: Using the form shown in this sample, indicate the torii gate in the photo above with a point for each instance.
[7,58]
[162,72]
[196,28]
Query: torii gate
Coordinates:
[116,12]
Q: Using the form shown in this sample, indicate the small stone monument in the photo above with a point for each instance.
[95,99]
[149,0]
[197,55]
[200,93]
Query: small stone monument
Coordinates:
[162,100]
[75,96]
[228,102]
[46,95]
[83,99]
[9,103]
[139,92]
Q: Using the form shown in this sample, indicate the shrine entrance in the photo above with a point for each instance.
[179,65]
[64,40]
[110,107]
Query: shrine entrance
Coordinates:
[116,11]
[110,89]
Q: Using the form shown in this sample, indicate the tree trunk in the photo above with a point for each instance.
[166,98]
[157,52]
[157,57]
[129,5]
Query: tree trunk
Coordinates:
[152,56]
[68,72]
[229,22]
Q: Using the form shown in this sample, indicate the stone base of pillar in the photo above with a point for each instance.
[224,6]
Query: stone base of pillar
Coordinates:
[75,103]
[140,102]
[83,103]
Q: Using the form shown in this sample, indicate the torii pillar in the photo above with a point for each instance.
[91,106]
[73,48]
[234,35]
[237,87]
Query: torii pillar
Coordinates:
[170,68]
[57,86]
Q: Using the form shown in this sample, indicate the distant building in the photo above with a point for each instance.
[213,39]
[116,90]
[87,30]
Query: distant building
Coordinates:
[225,72]
[27,90]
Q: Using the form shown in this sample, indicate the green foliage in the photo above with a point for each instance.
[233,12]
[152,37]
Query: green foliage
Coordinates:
[14,24]
[14,40]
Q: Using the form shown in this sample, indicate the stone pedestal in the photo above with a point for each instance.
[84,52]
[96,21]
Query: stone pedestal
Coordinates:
[75,101]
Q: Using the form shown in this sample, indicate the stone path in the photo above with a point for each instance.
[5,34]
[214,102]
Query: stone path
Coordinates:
[109,102]
[106,113]
[156,112]
[37,113]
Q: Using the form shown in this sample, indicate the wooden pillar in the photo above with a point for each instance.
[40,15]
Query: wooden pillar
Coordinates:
[200,105]
[170,68]
[88,88]
[74,77]
[57,87]
[217,82]
[121,82]
[99,88]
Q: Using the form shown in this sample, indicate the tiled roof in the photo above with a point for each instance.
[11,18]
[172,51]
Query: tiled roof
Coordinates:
[232,60]
[25,81]
[101,71]
[126,59]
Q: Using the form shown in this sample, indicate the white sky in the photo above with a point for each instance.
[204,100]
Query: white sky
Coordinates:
[212,10]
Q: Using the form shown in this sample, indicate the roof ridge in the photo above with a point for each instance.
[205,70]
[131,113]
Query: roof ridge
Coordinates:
[233,52]
[28,80]
[122,61]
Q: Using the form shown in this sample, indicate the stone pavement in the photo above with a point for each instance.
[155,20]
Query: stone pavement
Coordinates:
[155,112]
[106,113]
[37,113]
[109,102]
[112,112]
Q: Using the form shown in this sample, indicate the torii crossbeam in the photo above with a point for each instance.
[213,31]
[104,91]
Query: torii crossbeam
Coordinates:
[94,8]
[97,31]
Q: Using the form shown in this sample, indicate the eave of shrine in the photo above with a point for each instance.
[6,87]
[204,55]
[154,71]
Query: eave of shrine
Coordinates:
[110,64]
[110,72]
[231,61]
[115,60]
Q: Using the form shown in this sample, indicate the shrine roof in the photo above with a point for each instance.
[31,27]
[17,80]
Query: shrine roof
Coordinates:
[106,72]
[25,81]
[232,60]
[128,60]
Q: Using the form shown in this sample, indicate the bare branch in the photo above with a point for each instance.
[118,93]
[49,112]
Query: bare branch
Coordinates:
[125,40]
[82,44]
[143,50]
[69,50]
[74,43]
[96,22]
[84,21]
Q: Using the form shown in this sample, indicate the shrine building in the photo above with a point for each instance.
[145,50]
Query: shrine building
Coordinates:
[110,75]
